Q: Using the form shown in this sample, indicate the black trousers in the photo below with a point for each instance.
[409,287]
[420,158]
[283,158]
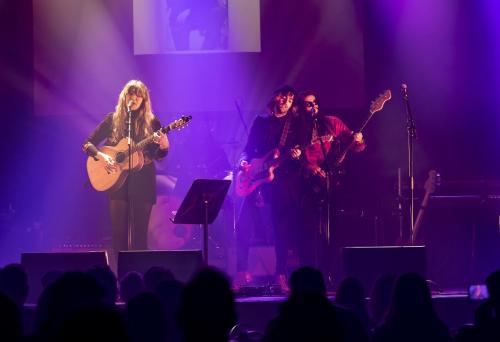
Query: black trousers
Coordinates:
[140,214]
[284,219]
[282,203]
[252,217]
[315,247]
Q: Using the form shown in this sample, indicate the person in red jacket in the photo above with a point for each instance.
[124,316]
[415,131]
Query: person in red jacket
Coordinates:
[324,140]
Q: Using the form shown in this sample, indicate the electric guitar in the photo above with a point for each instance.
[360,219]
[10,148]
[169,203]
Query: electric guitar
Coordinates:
[430,187]
[102,180]
[261,170]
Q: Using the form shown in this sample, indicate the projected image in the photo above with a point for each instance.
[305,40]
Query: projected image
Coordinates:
[198,24]
[167,26]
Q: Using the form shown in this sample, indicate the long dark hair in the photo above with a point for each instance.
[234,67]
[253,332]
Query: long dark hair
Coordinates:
[142,126]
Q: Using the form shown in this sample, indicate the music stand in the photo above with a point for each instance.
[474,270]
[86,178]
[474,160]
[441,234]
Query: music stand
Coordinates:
[201,206]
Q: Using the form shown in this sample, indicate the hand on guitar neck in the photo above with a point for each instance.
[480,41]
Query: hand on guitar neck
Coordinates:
[357,137]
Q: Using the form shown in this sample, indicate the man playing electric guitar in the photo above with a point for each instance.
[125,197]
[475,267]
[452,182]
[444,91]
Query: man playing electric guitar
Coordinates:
[317,164]
[275,131]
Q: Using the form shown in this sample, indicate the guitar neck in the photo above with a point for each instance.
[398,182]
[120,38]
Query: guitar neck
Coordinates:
[366,121]
[142,144]
[420,215]
[352,143]
[376,106]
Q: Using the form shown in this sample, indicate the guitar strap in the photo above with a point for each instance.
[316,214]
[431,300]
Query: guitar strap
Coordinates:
[314,134]
[284,133]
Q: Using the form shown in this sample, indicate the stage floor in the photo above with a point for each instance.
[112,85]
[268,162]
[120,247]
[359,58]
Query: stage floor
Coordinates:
[453,306]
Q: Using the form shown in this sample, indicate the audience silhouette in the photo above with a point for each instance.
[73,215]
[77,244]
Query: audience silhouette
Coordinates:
[411,316]
[308,314]
[14,284]
[81,306]
[99,323]
[487,316]
[155,276]
[351,295]
[131,285]
[169,293]
[107,280]
[207,309]
[71,292]
[145,318]
[380,299]
[10,323]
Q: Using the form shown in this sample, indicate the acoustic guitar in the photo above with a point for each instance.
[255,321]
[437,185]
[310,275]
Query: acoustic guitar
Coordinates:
[102,180]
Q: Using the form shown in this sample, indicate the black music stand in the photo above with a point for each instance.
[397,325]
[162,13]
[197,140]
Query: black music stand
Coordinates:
[201,206]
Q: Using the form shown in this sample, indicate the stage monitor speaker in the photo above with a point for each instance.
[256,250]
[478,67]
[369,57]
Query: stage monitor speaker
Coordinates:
[369,263]
[38,264]
[183,264]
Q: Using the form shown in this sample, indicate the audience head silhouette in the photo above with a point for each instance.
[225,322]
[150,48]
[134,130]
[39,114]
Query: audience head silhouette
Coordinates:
[307,281]
[207,310]
[156,275]
[131,285]
[14,283]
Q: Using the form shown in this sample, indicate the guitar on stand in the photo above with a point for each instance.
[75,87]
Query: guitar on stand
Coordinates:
[102,180]
[433,180]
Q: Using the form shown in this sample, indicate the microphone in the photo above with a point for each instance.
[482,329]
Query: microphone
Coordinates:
[313,109]
[129,122]
[411,123]
[129,104]
[404,91]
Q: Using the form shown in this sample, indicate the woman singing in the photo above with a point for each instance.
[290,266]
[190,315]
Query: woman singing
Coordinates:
[139,188]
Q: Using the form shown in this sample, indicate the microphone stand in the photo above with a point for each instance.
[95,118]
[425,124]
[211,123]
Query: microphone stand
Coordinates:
[327,230]
[400,208]
[412,135]
[129,205]
[235,170]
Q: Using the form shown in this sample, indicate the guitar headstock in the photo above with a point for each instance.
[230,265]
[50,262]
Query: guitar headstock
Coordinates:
[432,181]
[379,102]
[177,124]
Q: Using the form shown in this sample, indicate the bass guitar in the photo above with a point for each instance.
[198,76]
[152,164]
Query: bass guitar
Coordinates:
[376,106]
[102,180]
[336,157]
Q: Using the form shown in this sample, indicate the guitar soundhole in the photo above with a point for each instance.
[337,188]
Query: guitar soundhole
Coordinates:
[120,156]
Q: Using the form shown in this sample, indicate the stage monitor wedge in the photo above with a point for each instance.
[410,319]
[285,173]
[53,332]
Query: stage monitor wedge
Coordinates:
[183,263]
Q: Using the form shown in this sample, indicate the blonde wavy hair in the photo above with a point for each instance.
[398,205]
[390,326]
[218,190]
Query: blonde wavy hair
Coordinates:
[142,124]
